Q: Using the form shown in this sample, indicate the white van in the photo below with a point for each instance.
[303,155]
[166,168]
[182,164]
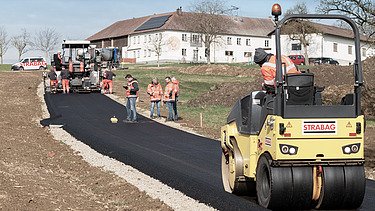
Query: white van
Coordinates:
[30,63]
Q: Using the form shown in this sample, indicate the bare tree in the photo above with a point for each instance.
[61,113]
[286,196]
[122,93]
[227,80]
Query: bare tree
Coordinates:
[21,42]
[4,43]
[361,11]
[299,29]
[158,44]
[209,22]
[46,40]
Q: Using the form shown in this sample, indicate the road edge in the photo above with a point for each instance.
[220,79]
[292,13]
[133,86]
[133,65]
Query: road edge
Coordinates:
[152,187]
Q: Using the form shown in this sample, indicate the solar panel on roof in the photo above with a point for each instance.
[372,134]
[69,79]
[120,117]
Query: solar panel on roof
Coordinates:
[153,23]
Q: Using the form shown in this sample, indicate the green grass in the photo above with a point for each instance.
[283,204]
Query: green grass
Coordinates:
[370,123]
[5,67]
[213,116]
[191,87]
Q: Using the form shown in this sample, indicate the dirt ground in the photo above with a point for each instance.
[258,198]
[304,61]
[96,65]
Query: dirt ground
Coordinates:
[40,173]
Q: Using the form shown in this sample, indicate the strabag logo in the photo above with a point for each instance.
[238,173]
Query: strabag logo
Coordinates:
[316,127]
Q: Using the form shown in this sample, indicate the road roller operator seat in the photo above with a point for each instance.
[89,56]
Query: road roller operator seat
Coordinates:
[300,89]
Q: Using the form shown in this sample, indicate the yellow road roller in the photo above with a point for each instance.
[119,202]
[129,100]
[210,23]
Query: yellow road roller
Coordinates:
[291,150]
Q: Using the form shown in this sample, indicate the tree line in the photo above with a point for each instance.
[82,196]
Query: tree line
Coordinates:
[44,40]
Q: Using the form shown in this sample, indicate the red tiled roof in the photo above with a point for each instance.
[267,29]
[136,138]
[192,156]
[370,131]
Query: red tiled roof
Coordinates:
[246,26]
[240,26]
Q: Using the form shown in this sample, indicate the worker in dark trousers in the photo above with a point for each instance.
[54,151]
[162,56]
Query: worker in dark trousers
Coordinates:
[176,84]
[132,89]
[53,82]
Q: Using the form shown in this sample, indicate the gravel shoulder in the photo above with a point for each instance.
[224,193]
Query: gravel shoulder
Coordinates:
[38,172]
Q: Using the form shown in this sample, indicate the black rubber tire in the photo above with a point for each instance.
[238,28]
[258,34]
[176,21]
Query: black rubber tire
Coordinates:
[302,187]
[21,69]
[273,184]
[333,189]
[355,185]
[42,68]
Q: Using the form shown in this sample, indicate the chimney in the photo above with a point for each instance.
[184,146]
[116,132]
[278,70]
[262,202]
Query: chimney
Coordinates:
[179,11]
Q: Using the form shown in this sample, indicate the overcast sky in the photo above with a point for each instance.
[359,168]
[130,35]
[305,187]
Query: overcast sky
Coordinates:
[78,19]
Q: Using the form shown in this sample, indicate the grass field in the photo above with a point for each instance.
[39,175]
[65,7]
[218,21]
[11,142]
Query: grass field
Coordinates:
[5,67]
[191,86]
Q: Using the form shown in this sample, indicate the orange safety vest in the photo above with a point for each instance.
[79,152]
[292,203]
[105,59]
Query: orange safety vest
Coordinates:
[130,86]
[70,66]
[170,92]
[81,67]
[177,87]
[269,69]
[155,91]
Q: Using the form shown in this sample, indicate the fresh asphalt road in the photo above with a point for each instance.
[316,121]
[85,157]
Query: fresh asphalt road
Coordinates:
[186,162]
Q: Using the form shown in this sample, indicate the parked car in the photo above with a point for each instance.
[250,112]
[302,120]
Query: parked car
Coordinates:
[30,63]
[297,59]
[323,60]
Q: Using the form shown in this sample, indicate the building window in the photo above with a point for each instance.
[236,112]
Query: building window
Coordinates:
[156,37]
[229,41]
[228,53]
[267,43]
[350,49]
[184,37]
[364,52]
[144,53]
[183,52]
[247,54]
[296,47]
[238,41]
[248,42]
[145,39]
[195,38]
[134,54]
[149,52]
[149,38]
[138,53]
[334,47]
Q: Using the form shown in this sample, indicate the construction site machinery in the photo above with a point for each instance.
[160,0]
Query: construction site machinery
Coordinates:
[85,63]
[292,150]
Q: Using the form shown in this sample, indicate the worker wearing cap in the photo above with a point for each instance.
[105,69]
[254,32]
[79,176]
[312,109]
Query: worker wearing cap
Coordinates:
[108,81]
[53,82]
[132,89]
[268,67]
[169,98]
[155,91]
[177,92]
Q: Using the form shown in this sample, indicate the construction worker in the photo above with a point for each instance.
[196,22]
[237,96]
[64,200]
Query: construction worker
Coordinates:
[177,91]
[108,81]
[53,82]
[268,67]
[155,91]
[58,61]
[132,89]
[65,76]
[169,98]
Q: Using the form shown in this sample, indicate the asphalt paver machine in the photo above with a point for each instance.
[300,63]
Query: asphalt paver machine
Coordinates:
[291,150]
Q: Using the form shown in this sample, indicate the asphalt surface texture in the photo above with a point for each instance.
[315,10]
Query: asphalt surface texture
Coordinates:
[186,162]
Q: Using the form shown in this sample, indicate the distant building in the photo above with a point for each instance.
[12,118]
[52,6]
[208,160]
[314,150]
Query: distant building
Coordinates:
[330,41]
[138,39]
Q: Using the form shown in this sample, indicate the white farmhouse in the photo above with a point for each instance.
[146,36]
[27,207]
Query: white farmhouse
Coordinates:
[164,37]
[140,39]
[329,41]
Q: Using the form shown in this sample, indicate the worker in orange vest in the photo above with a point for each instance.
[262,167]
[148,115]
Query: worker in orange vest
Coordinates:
[169,98]
[268,67]
[155,91]
[132,89]
[177,91]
